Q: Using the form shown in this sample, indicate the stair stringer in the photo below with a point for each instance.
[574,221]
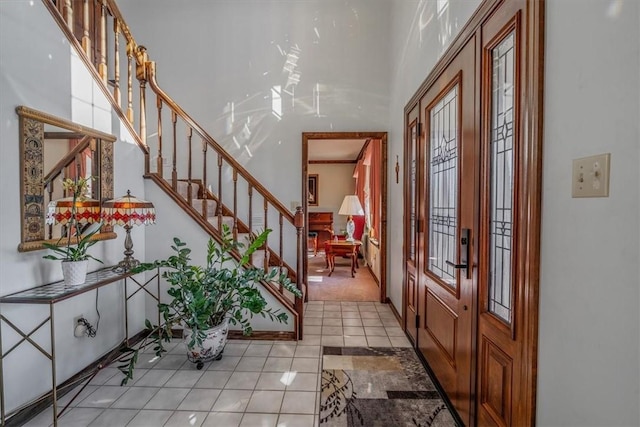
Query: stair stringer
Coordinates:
[211,231]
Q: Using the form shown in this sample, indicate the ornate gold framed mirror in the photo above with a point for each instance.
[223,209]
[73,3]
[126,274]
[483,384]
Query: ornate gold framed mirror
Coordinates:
[52,149]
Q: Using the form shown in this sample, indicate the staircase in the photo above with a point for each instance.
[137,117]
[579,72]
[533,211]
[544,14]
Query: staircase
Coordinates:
[187,163]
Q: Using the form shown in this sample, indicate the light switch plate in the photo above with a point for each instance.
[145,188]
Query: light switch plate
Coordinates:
[590,176]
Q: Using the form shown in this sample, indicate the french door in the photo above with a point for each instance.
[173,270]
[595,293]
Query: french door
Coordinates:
[472,215]
[448,211]
[412,205]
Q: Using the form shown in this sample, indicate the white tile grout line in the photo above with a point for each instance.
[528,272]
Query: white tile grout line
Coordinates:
[367,312]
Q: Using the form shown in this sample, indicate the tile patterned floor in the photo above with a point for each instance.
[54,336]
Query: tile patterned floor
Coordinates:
[256,383]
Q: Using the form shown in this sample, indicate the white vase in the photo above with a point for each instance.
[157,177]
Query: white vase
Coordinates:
[212,346]
[74,272]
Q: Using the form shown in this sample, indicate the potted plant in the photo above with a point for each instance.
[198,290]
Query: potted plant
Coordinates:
[205,299]
[73,253]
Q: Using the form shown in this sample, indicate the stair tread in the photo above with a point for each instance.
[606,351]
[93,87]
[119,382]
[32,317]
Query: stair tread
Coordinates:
[257,258]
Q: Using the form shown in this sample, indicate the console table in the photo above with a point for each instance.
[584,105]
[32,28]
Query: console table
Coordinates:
[343,248]
[51,294]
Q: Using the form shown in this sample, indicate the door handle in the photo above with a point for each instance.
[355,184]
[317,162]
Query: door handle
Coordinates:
[456,265]
[465,254]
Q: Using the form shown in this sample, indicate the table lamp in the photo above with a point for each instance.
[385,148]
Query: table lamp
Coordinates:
[72,212]
[350,206]
[128,211]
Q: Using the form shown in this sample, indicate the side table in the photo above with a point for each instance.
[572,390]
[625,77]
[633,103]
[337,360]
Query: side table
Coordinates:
[51,294]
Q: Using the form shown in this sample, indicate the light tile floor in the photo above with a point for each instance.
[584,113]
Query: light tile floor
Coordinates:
[256,383]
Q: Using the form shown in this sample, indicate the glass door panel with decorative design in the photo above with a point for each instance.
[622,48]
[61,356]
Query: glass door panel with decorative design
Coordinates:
[412,208]
[473,146]
[446,327]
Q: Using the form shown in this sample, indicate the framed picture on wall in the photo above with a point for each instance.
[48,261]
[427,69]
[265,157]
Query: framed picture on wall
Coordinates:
[312,192]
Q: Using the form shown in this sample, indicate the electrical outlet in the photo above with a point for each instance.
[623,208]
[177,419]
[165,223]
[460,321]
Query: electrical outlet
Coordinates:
[79,329]
[77,319]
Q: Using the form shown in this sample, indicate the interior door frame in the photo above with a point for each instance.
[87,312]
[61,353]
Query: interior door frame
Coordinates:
[382,136]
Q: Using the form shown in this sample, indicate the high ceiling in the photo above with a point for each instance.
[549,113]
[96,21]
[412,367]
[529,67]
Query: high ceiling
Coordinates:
[335,149]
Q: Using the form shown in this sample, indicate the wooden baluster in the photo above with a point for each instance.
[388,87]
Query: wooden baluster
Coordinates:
[67,13]
[219,205]
[174,170]
[235,204]
[116,64]
[280,251]
[159,164]
[266,244]
[189,175]
[250,210]
[204,177]
[143,113]
[130,82]
[86,38]
[298,222]
[102,66]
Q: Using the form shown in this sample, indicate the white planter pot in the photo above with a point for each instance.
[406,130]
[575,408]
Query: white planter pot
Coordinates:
[74,272]
[212,345]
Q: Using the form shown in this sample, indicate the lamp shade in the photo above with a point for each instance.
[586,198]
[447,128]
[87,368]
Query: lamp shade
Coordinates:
[128,211]
[60,211]
[351,206]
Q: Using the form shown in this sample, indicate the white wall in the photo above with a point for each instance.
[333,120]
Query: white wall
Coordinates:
[237,53]
[171,223]
[588,365]
[419,36]
[334,182]
[38,70]
[589,325]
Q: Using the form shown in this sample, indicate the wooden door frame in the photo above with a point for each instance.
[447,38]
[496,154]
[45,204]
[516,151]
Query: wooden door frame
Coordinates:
[382,136]
[531,177]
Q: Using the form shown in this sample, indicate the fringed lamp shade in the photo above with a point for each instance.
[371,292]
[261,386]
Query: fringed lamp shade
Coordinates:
[60,211]
[128,211]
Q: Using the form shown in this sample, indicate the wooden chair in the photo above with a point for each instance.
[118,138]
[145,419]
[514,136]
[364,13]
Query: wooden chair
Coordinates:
[312,242]
[328,254]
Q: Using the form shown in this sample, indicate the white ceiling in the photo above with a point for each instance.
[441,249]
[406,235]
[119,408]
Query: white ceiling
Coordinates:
[335,149]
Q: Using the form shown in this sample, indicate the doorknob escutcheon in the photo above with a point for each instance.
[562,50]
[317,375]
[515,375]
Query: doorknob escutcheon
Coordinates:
[465,252]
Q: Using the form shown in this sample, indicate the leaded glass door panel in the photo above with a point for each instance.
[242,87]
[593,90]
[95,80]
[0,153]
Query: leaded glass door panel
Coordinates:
[501,389]
[475,258]
[411,232]
[449,196]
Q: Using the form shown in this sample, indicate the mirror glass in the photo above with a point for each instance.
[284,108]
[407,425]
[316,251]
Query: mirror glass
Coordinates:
[51,150]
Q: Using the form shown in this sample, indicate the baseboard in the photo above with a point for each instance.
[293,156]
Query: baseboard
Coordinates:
[255,335]
[22,415]
[264,335]
[395,312]
[375,279]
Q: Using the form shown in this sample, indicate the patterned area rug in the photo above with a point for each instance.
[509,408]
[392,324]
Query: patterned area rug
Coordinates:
[385,387]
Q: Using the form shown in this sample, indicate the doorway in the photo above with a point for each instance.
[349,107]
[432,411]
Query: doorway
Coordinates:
[338,168]
[472,203]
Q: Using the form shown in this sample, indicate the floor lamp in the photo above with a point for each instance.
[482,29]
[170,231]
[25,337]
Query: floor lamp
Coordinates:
[128,211]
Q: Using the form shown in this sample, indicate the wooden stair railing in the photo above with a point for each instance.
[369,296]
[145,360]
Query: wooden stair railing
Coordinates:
[218,189]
